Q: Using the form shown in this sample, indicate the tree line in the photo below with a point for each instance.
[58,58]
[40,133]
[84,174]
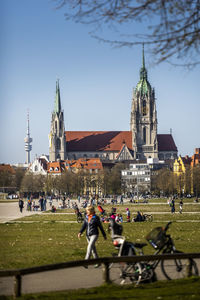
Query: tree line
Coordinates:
[108,181]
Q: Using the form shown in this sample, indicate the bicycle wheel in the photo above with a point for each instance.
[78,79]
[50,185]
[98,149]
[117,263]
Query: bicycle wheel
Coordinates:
[123,273]
[147,273]
[178,268]
[149,218]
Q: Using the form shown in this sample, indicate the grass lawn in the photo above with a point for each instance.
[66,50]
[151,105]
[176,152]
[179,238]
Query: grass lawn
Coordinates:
[187,289]
[51,238]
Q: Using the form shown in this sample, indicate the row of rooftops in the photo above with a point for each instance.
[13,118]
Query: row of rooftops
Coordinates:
[57,167]
[192,161]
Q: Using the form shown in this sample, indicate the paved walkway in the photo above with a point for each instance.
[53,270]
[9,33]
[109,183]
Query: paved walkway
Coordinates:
[10,211]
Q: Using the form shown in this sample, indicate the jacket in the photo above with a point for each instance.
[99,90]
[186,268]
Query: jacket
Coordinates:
[92,226]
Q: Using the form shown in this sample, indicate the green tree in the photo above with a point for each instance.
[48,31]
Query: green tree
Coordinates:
[170,28]
[196,180]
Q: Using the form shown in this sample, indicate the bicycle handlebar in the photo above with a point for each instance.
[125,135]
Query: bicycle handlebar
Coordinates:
[167,226]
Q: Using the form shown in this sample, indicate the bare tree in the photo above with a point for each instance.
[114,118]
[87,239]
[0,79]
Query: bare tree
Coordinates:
[169,27]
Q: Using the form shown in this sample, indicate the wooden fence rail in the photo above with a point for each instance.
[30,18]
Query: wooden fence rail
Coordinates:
[105,261]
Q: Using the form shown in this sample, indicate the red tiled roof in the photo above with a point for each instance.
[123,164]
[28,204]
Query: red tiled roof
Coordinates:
[58,167]
[110,141]
[97,140]
[195,160]
[43,162]
[55,167]
[166,142]
[90,163]
[7,168]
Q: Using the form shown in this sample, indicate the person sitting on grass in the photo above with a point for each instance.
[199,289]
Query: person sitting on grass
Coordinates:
[139,217]
[53,209]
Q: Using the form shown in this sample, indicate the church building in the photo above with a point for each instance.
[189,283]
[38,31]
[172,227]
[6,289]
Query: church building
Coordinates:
[140,143]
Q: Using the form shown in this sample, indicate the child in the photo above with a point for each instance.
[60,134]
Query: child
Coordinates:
[128,215]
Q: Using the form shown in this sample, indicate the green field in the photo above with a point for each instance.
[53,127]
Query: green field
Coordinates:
[52,237]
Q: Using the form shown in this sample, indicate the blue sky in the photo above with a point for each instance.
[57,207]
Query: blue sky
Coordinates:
[38,46]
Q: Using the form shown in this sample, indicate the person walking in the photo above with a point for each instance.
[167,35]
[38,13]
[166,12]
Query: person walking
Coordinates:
[91,224]
[172,205]
[21,205]
[181,206]
[41,201]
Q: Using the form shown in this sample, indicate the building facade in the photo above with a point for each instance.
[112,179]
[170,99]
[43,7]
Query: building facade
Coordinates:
[144,118]
[141,142]
[136,179]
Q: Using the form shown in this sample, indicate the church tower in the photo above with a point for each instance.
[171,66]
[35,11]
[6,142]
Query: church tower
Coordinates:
[144,118]
[57,140]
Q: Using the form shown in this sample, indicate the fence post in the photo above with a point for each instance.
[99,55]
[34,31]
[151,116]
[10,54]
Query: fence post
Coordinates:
[106,272]
[18,285]
[189,268]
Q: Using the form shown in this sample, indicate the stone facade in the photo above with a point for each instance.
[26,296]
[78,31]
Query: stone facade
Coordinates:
[57,140]
[141,142]
[144,119]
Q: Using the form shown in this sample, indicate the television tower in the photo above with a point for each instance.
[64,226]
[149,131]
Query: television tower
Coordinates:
[28,140]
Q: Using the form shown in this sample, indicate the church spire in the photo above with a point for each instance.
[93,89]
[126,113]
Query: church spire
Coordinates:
[143,71]
[143,86]
[57,104]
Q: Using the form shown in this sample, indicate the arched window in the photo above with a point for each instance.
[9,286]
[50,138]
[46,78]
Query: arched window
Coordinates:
[144,135]
[58,144]
[36,168]
[56,125]
[144,108]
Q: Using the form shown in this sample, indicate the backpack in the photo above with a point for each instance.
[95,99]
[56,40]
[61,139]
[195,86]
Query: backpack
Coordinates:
[118,229]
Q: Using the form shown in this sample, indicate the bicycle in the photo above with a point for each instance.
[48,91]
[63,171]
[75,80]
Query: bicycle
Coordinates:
[145,271]
[148,217]
[139,272]
[164,244]
[129,272]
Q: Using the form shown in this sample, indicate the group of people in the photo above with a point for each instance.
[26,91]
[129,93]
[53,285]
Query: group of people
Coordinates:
[105,218]
[31,204]
[171,202]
